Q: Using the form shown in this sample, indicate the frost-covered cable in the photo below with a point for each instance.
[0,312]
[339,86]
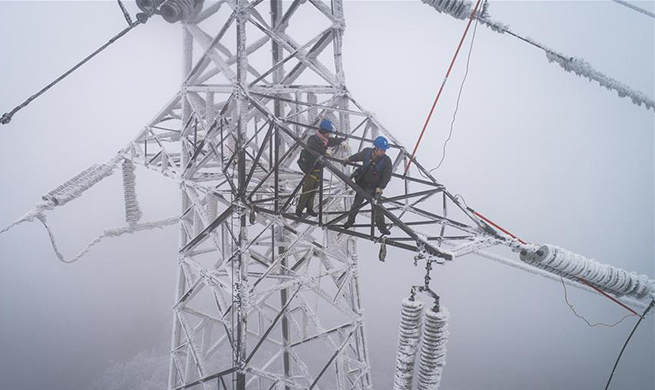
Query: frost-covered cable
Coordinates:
[132,210]
[433,350]
[456,8]
[635,8]
[409,336]
[460,9]
[81,182]
[603,276]
[108,233]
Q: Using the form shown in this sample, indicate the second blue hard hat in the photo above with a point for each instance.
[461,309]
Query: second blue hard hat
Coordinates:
[381,143]
[326,125]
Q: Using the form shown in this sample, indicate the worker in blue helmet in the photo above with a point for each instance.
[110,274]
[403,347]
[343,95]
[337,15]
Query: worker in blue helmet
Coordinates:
[373,176]
[319,142]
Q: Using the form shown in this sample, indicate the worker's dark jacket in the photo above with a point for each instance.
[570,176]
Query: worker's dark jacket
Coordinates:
[374,173]
[307,160]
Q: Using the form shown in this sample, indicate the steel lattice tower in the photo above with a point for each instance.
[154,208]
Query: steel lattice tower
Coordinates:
[250,273]
[245,315]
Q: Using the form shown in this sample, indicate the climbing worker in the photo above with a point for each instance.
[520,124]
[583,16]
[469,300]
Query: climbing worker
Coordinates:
[312,167]
[373,177]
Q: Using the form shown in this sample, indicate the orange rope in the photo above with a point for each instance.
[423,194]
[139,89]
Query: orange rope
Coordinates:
[608,296]
[497,227]
[452,62]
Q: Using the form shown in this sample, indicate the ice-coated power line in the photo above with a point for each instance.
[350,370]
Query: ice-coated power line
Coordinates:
[108,233]
[409,337]
[634,7]
[433,350]
[571,64]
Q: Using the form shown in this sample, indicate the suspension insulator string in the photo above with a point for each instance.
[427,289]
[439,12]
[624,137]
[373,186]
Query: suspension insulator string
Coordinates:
[433,351]
[81,182]
[409,337]
[132,209]
[6,117]
[590,272]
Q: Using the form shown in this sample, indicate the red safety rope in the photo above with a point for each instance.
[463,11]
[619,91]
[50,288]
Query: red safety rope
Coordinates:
[434,104]
[496,226]
[608,296]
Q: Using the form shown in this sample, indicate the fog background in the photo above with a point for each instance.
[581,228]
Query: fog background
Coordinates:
[546,154]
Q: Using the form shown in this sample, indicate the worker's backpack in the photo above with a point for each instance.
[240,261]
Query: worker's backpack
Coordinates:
[306,161]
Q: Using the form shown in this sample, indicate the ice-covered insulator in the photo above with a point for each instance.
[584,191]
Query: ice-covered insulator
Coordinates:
[175,10]
[132,210]
[409,337]
[81,182]
[603,276]
[433,350]
[460,9]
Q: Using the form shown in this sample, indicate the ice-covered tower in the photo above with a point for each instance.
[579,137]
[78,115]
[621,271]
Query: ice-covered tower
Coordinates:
[265,299]
[262,301]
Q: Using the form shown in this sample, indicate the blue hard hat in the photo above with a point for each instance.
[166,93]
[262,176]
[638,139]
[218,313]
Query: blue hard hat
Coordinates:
[326,125]
[381,143]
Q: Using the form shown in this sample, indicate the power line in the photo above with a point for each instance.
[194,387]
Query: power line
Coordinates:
[626,342]
[6,118]
[459,95]
[634,7]
[566,298]
[443,83]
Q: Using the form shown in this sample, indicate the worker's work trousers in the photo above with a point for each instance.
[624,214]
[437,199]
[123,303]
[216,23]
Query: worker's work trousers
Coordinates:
[309,189]
[359,199]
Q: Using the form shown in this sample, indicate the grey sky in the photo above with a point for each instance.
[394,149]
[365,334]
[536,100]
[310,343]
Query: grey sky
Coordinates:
[550,156]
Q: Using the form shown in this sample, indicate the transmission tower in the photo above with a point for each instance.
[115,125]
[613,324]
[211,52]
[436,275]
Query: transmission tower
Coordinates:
[256,81]
[266,299]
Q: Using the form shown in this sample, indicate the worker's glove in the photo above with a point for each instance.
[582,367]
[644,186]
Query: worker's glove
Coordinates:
[345,161]
[328,153]
[378,192]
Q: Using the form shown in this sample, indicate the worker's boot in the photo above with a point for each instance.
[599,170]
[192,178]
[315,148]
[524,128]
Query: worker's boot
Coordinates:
[349,223]
[311,212]
[383,229]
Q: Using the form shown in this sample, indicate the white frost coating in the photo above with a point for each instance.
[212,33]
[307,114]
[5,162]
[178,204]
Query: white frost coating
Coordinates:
[461,9]
[132,210]
[584,69]
[548,275]
[409,337]
[433,351]
[610,279]
[74,187]
[29,217]
[108,233]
